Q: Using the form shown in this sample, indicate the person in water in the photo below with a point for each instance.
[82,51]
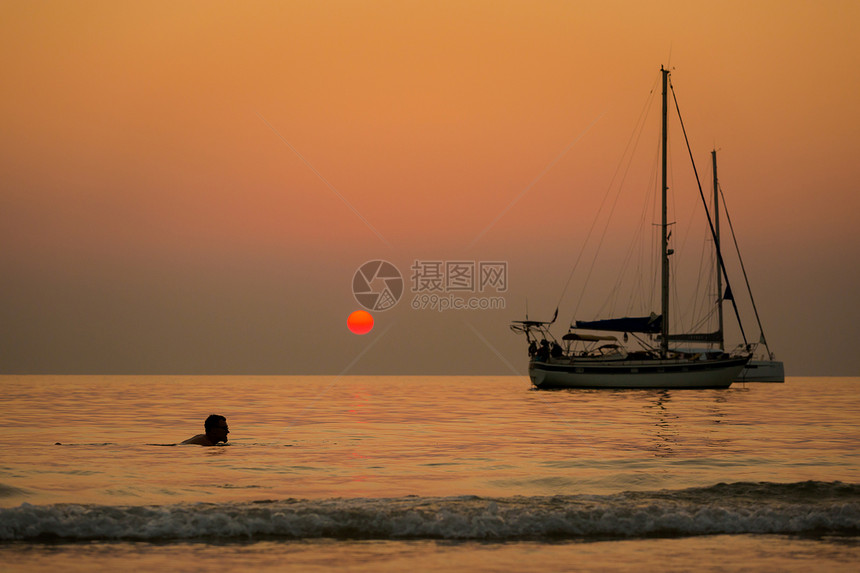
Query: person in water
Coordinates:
[216,431]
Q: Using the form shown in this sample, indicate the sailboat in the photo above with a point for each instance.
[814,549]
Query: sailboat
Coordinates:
[766,369]
[601,361]
[759,369]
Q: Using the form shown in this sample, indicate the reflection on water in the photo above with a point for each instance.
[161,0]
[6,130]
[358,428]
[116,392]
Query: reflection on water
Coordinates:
[667,423]
[391,436]
[701,553]
[665,435]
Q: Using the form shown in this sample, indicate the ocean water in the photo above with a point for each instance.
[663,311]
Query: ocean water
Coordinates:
[363,473]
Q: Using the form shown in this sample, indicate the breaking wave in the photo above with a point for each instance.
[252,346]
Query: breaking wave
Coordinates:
[805,508]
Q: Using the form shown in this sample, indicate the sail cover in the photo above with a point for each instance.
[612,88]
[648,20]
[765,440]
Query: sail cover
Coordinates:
[651,324]
[697,337]
[586,337]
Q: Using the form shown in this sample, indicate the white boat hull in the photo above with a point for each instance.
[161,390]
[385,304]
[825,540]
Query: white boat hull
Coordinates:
[668,373]
[762,371]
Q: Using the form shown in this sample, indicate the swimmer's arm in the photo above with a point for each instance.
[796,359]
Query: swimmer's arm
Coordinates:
[199,440]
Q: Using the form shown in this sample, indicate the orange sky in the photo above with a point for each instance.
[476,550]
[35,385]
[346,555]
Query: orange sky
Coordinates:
[154,220]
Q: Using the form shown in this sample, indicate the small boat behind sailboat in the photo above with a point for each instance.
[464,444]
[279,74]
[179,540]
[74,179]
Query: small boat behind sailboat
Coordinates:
[763,371]
[765,368]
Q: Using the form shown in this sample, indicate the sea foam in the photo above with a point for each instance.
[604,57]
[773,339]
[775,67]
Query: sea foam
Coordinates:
[806,508]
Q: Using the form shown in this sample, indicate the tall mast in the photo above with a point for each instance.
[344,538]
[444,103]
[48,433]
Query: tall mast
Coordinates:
[664,303]
[717,241]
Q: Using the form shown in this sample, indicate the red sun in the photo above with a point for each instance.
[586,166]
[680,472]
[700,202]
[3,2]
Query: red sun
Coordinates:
[360,322]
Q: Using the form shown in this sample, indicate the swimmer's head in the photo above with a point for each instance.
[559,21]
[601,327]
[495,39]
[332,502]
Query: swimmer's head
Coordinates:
[216,428]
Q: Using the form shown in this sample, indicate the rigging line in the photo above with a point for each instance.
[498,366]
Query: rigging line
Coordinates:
[693,303]
[657,227]
[701,278]
[708,213]
[535,180]
[648,250]
[324,180]
[705,279]
[634,137]
[743,268]
[703,322]
[685,235]
[636,242]
[673,276]
[636,245]
[655,243]
[637,236]
[493,349]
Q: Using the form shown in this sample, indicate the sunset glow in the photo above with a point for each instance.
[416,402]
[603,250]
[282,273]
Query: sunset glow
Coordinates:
[188,186]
